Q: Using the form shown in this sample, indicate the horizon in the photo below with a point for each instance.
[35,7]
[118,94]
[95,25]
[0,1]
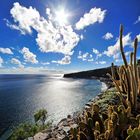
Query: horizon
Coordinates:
[65,36]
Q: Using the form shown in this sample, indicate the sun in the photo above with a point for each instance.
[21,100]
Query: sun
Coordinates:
[61,17]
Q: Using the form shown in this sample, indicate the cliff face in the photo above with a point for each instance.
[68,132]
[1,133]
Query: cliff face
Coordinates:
[98,73]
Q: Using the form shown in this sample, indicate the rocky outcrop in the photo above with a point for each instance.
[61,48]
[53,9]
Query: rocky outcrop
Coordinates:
[58,132]
[99,74]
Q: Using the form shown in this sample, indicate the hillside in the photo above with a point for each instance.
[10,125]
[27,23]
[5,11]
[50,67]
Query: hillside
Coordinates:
[98,73]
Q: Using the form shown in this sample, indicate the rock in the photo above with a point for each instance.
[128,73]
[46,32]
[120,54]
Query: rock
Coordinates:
[47,130]
[30,138]
[88,104]
[60,137]
[69,117]
[62,122]
[74,126]
[41,136]
[87,107]
[66,129]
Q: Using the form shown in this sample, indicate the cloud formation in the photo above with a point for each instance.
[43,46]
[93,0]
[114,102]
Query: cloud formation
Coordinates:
[17,62]
[93,16]
[97,53]
[114,49]
[6,50]
[45,63]
[29,56]
[101,62]
[85,56]
[50,37]
[64,61]
[108,36]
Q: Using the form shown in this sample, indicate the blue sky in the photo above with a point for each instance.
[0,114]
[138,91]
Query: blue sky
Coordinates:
[41,36]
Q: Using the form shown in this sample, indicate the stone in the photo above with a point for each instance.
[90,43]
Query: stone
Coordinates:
[74,125]
[30,138]
[41,136]
[69,117]
[60,137]
[66,129]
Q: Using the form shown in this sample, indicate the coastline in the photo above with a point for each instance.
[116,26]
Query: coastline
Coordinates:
[61,130]
[73,115]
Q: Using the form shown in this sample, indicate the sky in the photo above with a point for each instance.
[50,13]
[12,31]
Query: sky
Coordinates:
[44,36]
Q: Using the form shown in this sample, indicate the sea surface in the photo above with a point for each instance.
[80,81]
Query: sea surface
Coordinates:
[22,95]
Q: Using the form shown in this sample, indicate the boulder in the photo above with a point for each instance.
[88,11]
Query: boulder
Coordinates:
[41,136]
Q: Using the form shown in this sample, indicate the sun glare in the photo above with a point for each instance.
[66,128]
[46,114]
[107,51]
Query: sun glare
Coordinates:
[61,17]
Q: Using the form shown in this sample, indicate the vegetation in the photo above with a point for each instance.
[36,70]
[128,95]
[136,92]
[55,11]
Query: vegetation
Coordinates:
[40,116]
[120,121]
[26,130]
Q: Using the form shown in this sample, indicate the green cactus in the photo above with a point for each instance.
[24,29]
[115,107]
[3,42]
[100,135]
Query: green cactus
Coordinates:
[116,122]
[121,46]
[133,134]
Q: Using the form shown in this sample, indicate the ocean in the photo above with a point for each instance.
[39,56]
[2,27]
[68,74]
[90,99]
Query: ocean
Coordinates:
[22,95]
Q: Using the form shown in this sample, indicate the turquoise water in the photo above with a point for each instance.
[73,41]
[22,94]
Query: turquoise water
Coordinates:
[22,95]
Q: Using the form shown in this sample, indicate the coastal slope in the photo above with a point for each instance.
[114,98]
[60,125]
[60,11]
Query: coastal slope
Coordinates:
[96,73]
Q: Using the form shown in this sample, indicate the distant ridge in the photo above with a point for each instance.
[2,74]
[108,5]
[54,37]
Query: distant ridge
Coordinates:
[98,73]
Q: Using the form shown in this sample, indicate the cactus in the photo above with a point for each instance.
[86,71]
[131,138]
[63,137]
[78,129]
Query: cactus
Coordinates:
[133,134]
[121,121]
[121,46]
[129,82]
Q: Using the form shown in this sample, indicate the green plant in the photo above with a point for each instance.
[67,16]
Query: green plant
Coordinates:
[40,116]
[129,80]
[133,134]
[116,122]
[25,130]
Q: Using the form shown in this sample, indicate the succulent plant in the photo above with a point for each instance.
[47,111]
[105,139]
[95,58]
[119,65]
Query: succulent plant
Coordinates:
[133,134]
[117,122]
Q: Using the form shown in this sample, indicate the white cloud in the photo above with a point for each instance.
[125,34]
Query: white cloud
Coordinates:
[30,70]
[29,56]
[115,49]
[85,56]
[100,62]
[1,61]
[50,37]
[137,21]
[12,26]
[26,18]
[17,62]
[81,37]
[90,60]
[64,61]
[45,63]
[108,36]
[95,51]
[94,15]
[6,51]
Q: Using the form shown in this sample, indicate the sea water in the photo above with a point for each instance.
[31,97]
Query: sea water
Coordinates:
[22,95]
